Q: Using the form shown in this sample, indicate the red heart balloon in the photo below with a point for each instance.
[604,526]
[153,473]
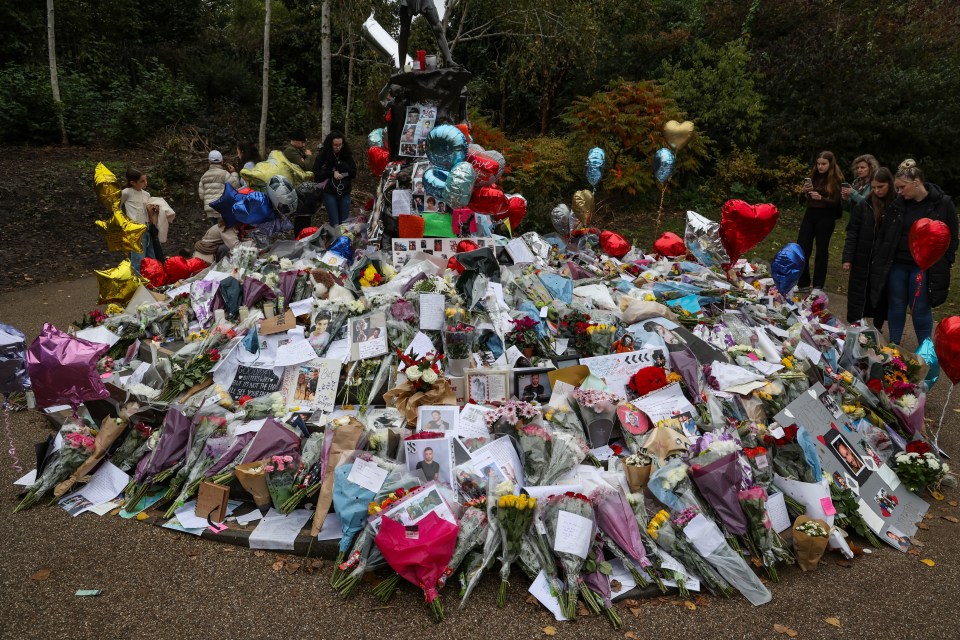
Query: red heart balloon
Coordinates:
[489,200]
[177,269]
[306,233]
[929,240]
[466,245]
[454,264]
[669,245]
[517,210]
[486,168]
[946,343]
[614,244]
[743,226]
[196,265]
[153,271]
[377,159]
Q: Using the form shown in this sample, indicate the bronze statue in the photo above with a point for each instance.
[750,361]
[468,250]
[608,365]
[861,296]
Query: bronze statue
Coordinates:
[408,10]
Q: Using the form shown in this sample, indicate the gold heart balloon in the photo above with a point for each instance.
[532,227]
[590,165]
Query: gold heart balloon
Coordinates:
[678,134]
[118,284]
[583,205]
[107,188]
[122,233]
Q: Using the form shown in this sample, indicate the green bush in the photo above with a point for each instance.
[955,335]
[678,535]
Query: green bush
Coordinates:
[155,99]
[28,114]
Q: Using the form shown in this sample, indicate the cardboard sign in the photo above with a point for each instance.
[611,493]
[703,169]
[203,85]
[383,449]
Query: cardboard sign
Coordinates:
[212,501]
[277,324]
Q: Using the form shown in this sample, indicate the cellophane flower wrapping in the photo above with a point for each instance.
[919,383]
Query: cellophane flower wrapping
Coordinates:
[570,525]
[419,553]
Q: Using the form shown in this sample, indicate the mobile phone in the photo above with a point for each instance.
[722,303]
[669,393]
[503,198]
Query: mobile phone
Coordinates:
[808,182]
[845,185]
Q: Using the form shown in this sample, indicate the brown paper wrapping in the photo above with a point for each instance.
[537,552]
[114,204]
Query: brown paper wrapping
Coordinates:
[754,409]
[345,439]
[406,398]
[637,477]
[254,483]
[809,549]
[109,431]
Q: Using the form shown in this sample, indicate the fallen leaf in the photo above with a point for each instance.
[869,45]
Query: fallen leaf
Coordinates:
[259,553]
[953,519]
[779,628]
[531,600]
[689,605]
[928,562]
[276,566]
[844,563]
[549,631]
[923,526]
[914,552]
[227,548]
[631,635]
[141,516]
[701,601]
[937,495]
[292,567]
[116,511]
[631,602]
[928,516]
[41,575]
[832,621]
[615,586]
[192,556]
[582,611]
[954,503]
[635,611]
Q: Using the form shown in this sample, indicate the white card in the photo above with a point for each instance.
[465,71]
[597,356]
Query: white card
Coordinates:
[431,311]
[302,307]
[704,535]
[804,350]
[574,534]
[777,511]
[540,589]
[368,475]
[295,352]
[519,251]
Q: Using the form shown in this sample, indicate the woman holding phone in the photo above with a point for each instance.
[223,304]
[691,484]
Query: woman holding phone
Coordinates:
[821,191]
[865,220]
[893,265]
[864,167]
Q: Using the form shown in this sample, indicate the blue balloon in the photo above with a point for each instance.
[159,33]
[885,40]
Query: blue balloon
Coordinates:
[435,182]
[446,146]
[377,138]
[787,266]
[663,164]
[252,208]
[341,247]
[929,355]
[596,162]
[459,185]
[224,204]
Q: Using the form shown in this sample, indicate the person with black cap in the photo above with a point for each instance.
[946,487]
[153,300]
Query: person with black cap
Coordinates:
[297,152]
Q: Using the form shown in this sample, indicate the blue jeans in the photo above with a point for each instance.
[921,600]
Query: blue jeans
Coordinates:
[902,293]
[338,207]
[137,258]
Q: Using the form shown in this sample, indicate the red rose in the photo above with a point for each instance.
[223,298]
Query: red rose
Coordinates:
[242,400]
[875,385]
[918,446]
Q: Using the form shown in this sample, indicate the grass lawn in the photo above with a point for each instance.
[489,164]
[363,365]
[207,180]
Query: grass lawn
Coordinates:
[641,227]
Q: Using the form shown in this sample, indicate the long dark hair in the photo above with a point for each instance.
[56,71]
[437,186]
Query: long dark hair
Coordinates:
[132,176]
[834,175]
[326,149]
[248,153]
[880,204]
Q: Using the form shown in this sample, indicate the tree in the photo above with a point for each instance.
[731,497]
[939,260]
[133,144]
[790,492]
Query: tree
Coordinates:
[327,90]
[54,81]
[266,79]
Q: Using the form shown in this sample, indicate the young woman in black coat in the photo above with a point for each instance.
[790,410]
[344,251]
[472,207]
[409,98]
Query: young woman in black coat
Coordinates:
[865,219]
[336,167]
[821,193]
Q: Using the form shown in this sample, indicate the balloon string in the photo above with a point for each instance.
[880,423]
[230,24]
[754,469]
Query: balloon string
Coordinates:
[936,436]
[12,450]
[916,294]
[663,193]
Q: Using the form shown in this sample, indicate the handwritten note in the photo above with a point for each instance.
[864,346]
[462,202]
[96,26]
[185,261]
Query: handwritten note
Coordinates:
[540,589]
[519,251]
[574,534]
[302,307]
[431,311]
[368,475]
[472,423]
[777,511]
[704,535]
[400,202]
[293,353]
[804,350]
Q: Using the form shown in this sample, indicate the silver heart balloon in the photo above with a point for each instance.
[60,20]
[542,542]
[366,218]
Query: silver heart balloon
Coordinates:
[562,219]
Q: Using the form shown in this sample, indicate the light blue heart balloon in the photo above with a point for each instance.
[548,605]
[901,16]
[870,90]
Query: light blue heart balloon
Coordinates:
[459,185]
[446,146]
[663,164]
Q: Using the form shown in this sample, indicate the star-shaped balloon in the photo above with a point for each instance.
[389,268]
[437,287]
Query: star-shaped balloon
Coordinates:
[122,233]
[118,284]
[107,187]
[63,369]
[663,441]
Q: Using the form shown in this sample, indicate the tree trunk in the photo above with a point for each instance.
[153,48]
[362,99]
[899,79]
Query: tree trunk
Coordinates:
[266,80]
[54,80]
[325,67]
[346,112]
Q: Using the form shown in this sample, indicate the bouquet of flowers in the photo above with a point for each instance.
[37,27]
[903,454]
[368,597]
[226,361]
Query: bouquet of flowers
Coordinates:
[847,504]
[134,446]
[272,404]
[637,468]
[917,467]
[307,480]
[524,335]
[78,444]
[709,542]
[573,326]
[907,401]
[420,553]
[351,501]
[110,429]
[669,538]
[567,450]
[196,463]
[790,460]
[422,384]
[762,536]
[510,417]
[757,456]
[810,539]
[570,524]
[402,322]
[473,531]
[621,533]
[163,461]
[252,476]
[280,472]
[534,442]
[718,475]
[596,577]
[192,374]
[598,340]
[514,515]
[458,340]
[599,411]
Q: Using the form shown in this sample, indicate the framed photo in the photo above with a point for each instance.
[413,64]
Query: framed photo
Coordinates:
[431,459]
[532,385]
[368,336]
[441,418]
[487,386]
[846,454]
[415,508]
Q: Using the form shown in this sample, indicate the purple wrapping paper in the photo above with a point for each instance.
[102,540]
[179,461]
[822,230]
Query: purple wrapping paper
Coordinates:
[684,363]
[235,449]
[273,439]
[254,291]
[288,281]
[599,582]
[615,518]
[63,369]
[172,447]
[719,483]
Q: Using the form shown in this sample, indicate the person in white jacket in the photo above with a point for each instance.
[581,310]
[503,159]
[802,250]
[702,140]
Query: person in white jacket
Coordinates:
[213,182]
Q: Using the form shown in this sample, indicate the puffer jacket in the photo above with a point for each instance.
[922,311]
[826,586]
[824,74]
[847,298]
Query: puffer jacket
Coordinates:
[212,184]
[890,239]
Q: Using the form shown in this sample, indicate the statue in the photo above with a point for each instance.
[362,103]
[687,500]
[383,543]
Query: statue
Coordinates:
[408,10]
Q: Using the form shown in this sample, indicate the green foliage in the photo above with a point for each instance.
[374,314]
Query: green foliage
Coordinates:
[740,174]
[156,100]
[28,113]
[627,120]
[718,88]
